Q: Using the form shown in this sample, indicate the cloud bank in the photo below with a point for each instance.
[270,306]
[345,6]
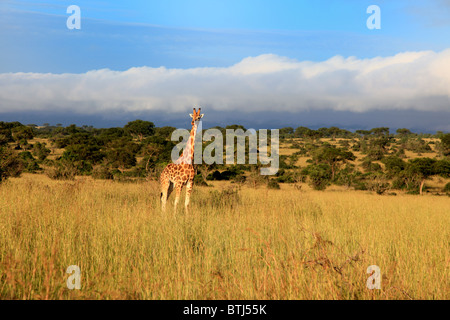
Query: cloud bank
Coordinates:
[417,81]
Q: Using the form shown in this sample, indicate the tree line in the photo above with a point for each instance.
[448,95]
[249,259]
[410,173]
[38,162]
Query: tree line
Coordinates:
[142,150]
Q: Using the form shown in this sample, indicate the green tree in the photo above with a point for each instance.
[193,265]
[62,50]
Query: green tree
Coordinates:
[29,162]
[40,151]
[121,158]
[165,132]
[442,168]
[332,156]
[10,163]
[378,132]
[378,147]
[140,129]
[302,132]
[363,133]
[285,132]
[22,134]
[403,132]
[421,169]
[348,175]
[445,144]
[121,153]
[72,129]
[83,152]
[319,175]
[235,127]
[394,165]
[105,136]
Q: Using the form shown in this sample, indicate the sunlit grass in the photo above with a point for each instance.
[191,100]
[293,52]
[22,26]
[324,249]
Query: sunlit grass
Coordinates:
[253,244]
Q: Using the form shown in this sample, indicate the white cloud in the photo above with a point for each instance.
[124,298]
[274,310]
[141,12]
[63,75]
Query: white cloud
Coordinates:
[408,80]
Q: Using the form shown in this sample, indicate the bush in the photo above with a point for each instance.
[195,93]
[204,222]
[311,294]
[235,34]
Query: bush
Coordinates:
[239,179]
[10,164]
[447,188]
[398,183]
[216,175]
[29,163]
[401,153]
[319,175]
[63,170]
[101,172]
[360,185]
[227,198]
[394,165]
[198,180]
[417,145]
[368,165]
[284,176]
[347,176]
[377,182]
[40,151]
[272,184]
[375,154]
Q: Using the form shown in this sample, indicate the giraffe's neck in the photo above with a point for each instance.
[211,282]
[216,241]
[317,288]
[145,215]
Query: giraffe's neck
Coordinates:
[188,154]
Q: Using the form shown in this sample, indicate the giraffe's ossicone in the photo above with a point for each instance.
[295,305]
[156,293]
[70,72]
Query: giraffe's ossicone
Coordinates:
[180,173]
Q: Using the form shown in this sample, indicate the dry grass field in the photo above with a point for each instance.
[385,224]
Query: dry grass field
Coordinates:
[235,244]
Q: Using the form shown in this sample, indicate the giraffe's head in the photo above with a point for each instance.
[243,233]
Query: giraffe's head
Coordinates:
[196,116]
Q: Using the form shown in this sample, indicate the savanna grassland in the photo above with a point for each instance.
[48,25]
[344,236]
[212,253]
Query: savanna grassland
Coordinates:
[237,242]
[341,202]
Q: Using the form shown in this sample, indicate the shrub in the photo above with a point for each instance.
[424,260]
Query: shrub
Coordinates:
[401,153]
[216,175]
[227,198]
[360,185]
[63,170]
[319,175]
[394,165]
[10,163]
[347,176]
[272,184]
[101,172]
[29,163]
[368,165]
[447,188]
[377,182]
[398,183]
[198,180]
[284,176]
[40,151]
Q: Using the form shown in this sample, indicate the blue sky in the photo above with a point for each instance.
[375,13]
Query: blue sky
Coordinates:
[182,34]
[188,35]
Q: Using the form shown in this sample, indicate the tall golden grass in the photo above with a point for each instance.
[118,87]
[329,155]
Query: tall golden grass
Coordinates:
[246,244]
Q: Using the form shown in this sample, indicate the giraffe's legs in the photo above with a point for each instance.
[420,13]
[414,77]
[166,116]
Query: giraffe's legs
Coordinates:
[178,187]
[189,186]
[165,192]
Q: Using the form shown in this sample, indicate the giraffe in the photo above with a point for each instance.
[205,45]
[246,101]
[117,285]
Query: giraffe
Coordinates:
[182,171]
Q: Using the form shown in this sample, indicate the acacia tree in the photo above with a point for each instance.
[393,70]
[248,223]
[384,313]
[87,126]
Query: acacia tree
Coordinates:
[421,169]
[40,150]
[21,134]
[394,165]
[332,156]
[286,132]
[442,168]
[378,132]
[378,147]
[445,144]
[121,158]
[121,153]
[10,163]
[319,175]
[140,129]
